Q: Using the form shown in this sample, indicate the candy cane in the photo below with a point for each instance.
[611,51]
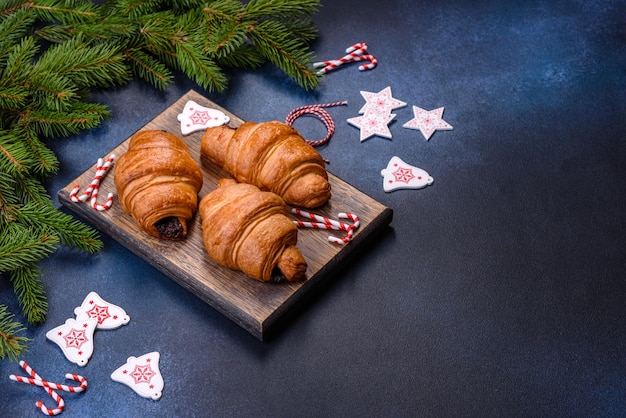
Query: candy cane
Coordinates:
[323,115]
[45,383]
[92,191]
[364,67]
[350,231]
[354,53]
[54,411]
[101,169]
[55,396]
[326,223]
[94,200]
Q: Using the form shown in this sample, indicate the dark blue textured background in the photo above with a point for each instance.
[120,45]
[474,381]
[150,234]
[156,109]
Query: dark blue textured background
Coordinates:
[497,291]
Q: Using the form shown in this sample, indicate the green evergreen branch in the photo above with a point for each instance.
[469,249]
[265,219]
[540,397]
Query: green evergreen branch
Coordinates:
[286,53]
[44,162]
[199,68]
[280,10]
[11,345]
[50,123]
[100,65]
[71,232]
[149,68]
[30,293]
[14,27]
[14,154]
[44,88]
[55,10]
[22,247]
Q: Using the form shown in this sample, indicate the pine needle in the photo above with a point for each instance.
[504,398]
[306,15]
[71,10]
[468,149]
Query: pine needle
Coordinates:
[11,344]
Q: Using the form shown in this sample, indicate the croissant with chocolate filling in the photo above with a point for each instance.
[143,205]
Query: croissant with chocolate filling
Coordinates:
[158,182]
[274,157]
[246,229]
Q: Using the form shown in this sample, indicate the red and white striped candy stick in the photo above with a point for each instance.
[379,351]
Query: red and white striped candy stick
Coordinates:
[354,53]
[87,193]
[101,170]
[57,398]
[54,411]
[45,383]
[350,231]
[327,223]
[332,64]
[94,200]
[367,57]
[360,46]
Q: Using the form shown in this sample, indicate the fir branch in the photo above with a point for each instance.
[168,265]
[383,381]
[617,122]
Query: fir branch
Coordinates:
[19,59]
[199,68]
[43,161]
[29,189]
[148,68]
[44,86]
[159,32]
[51,123]
[135,9]
[22,247]
[14,27]
[12,96]
[285,52]
[245,56]
[71,232]
[11,345]
[280,10]
[14,154]
[87,66]
[59,10]
[30,293]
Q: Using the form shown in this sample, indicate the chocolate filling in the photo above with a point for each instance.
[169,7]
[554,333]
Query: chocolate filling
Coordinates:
[169,228]
[277,276]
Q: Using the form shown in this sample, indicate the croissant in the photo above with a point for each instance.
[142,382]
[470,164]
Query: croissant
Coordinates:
[246,229]
[274,157]
[157,183]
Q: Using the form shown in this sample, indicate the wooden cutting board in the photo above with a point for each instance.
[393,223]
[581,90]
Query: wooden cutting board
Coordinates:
[253,305]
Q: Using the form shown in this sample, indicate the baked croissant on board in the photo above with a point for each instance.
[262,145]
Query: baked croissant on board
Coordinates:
[274,157]
[246,229]
[158,182]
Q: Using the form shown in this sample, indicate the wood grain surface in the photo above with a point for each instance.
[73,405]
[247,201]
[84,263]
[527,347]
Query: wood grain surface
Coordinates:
[253,305]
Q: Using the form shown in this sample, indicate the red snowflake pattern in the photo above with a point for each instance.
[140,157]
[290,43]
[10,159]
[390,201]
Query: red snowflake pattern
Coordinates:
[101,313]
[200,117]
[403,175]
[75,338]
[142,374]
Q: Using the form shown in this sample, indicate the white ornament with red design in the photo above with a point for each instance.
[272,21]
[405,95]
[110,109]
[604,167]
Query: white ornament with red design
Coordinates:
[109,316]
[376,114]
[400,175]
[196,117]
[75,338]
[428,121]
[142,375]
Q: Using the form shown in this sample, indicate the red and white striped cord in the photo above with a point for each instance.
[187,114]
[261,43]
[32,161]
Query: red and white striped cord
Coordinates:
[319,111]
[354,53]
[92,191]
[322,222]
[50,387]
